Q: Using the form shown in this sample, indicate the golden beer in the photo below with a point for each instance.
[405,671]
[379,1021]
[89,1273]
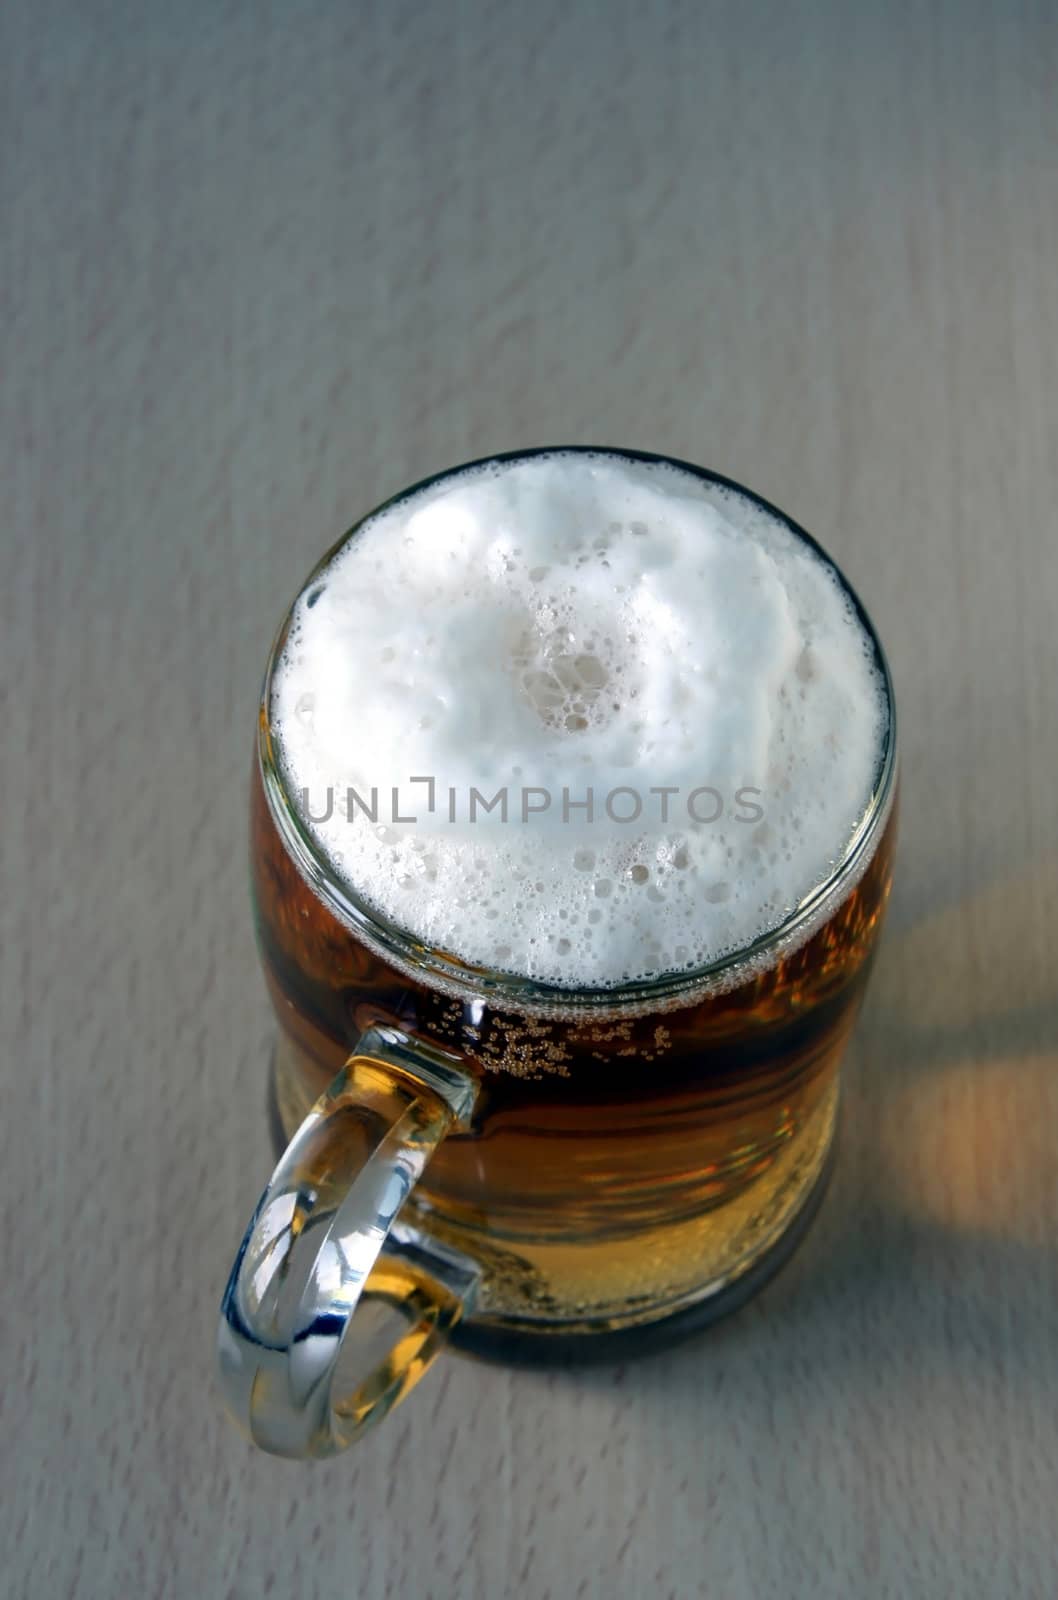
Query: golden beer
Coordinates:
[617,1163]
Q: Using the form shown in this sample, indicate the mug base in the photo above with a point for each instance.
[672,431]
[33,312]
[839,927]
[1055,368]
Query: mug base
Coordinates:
[487,1339]
[509,1347]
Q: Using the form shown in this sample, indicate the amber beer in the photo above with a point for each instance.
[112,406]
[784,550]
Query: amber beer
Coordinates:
[616,1163]
[637,1149]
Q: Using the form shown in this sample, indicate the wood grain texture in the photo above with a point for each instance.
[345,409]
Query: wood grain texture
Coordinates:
[261,265]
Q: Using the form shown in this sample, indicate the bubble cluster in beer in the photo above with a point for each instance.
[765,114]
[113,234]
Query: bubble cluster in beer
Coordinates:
[560,623]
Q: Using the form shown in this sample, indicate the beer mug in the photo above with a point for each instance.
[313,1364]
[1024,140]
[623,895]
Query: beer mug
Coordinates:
[482,1151]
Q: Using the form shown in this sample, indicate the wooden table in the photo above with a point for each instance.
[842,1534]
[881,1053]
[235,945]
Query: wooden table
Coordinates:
[264,265]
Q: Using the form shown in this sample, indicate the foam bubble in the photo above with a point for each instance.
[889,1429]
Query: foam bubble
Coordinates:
[566,623]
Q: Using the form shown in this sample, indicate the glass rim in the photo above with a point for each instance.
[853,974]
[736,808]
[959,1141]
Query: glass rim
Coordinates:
[442,969]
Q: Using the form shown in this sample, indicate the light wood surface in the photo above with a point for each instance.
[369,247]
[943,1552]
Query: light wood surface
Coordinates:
[261,266]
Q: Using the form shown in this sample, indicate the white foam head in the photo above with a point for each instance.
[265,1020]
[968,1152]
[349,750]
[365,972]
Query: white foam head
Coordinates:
[571,622]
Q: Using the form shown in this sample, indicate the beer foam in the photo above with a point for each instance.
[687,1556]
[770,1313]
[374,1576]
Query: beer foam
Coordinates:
[548,626]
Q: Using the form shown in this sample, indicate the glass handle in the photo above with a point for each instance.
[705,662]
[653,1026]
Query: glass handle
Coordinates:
[325,1242]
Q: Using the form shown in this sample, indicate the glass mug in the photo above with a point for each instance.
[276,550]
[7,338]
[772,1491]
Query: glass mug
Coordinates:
[517,1168]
